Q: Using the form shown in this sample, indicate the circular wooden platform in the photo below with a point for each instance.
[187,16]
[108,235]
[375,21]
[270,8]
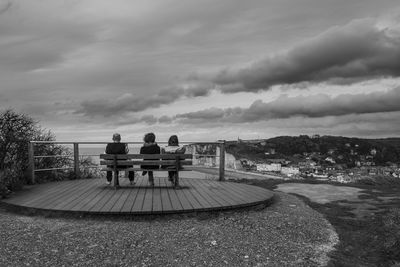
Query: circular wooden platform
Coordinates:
[93,196]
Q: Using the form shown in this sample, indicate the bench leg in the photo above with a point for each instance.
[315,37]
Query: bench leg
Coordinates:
[176,180]
[116,180]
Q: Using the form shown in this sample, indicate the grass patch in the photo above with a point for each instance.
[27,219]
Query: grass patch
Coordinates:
[373,240]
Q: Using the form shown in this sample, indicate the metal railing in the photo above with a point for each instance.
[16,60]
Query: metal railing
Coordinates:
[220,153]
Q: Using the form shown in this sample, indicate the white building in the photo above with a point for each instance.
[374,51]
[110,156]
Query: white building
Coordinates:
[289,171]
[273,167]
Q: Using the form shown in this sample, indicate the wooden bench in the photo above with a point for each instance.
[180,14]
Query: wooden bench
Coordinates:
[139,162]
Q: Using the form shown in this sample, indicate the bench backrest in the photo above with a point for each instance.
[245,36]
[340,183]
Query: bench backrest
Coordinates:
[146,159]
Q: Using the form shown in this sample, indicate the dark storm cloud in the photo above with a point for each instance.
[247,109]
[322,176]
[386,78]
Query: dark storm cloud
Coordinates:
[130,103]
[165,119]
[149,119]
[5,6]
[127,103]
[358,50]
[207,114]
[315,106]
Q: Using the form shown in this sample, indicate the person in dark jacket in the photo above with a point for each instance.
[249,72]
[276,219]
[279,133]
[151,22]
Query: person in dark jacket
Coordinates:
[150,147]
[118,148]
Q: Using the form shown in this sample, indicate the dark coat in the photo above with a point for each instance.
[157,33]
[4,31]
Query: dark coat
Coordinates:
[150,148]
[116,148]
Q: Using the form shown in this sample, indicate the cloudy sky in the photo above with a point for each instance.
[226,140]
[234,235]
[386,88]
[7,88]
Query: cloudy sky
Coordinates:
[202,69]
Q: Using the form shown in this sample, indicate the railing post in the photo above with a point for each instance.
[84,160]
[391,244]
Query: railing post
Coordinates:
[76,160]
[31,161]
[222,160]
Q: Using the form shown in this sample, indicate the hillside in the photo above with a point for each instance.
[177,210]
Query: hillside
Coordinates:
[342,149]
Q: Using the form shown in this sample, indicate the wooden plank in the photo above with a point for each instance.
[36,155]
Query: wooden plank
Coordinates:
[111,202]
[42,191]
[91,196]
[244,192]
[119,202]
[125,190]
[108,193]
[258,190]
[157,170]
[76,198]
[112,156]
[165,200]
[157,205]
[187,191]
[203,200]
[146,169]
[175,202]
[238,193]
[249,193]
[204,188]
[52,193]
[186,205]
[213,192]
[130,200]
[216,189]
[65,198]
[35,192]
[145,156]
[96,198]
[137,205]
[148,199]
[145,162]
[226,193]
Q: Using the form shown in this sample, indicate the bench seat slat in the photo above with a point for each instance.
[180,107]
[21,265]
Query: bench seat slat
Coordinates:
[144,169]
[145,156]
[145,162]
[150,162]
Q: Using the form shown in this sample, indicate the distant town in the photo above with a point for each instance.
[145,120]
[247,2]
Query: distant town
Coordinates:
[324,158]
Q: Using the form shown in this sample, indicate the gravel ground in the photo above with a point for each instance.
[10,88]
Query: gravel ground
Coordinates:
[288,233]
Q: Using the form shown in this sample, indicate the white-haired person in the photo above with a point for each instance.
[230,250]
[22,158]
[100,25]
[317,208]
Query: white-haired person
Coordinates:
[116,147]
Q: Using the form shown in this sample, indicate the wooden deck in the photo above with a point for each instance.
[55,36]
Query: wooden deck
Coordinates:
[93,196]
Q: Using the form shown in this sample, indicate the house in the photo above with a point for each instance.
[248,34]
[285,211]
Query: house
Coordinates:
[289,171]
[331,151]
[307,164]
[343,179]
[273,167]
[270,151]
[330,159]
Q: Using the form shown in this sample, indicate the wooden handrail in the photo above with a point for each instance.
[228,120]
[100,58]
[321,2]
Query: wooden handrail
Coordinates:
[76,149]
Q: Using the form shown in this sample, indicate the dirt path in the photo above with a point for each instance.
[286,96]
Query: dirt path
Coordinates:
[288,233]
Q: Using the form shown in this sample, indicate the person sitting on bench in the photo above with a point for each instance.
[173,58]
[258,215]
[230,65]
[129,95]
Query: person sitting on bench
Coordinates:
[173,148]
[118,148]
[150,147]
